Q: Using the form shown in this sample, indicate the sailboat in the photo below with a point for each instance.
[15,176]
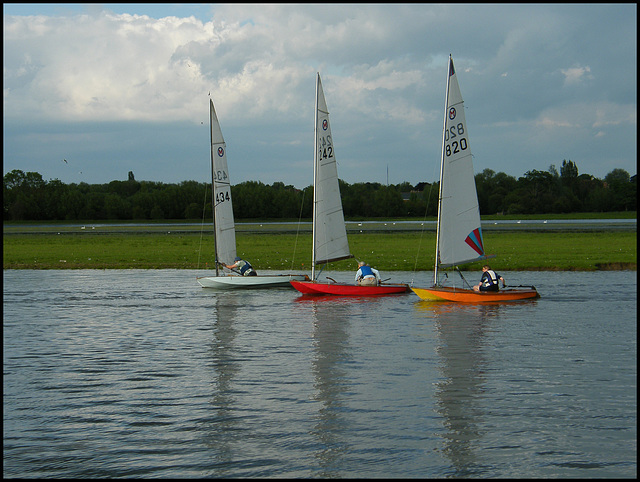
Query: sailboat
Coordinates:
[224,225]
[329,233]
[459,233]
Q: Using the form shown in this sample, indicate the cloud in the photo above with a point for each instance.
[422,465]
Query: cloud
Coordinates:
[583,115]
[610,114]
[105,67]
[576,75]
[550,123]
[383,68]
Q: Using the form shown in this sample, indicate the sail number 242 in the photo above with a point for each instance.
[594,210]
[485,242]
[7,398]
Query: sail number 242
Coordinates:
[454,142]
[325,147]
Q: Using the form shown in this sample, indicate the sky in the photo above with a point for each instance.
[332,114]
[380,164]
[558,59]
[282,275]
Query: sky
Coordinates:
[94,91]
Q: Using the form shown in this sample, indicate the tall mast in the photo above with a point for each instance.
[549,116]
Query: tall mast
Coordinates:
[213,187]
[315,175]
[444,128]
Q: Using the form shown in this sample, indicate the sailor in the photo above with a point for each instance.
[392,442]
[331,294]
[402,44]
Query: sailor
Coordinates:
[489,280]
[366,275]
[243,266]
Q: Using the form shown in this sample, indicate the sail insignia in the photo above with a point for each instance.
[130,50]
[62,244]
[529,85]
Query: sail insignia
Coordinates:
[475,241]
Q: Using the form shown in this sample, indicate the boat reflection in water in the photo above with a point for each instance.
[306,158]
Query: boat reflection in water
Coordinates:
[461,331]
[224,421]
[331,353]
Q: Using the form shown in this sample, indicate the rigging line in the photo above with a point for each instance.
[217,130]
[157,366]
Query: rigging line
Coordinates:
[204,209]
[415,265]
[295,243]
[463,278]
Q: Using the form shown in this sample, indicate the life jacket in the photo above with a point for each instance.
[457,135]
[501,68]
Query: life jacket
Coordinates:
[490,278]
[245,268]
[366,271]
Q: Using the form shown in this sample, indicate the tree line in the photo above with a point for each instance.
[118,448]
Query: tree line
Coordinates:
[26,196]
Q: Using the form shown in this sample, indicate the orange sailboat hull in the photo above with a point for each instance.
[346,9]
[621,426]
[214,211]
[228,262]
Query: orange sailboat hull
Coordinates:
[461,295]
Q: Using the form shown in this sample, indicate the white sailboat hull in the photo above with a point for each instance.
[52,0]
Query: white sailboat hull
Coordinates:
[232,282]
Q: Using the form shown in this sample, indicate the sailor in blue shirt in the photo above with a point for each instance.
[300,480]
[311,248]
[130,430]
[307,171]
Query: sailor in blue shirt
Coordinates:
[366,275]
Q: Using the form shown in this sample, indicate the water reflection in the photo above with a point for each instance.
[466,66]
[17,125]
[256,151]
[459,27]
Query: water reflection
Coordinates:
[222,420]
[330,353]
[142,373]
[461,333]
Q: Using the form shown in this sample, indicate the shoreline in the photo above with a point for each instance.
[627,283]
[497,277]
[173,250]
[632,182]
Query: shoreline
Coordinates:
[516,250]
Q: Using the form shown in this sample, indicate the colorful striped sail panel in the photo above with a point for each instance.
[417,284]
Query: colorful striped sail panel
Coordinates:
[475,241]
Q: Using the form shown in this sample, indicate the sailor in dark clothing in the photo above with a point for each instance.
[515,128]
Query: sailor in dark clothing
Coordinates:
[243,266]
[489,281]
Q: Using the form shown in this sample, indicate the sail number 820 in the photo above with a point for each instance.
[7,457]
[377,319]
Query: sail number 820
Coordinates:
[459,144]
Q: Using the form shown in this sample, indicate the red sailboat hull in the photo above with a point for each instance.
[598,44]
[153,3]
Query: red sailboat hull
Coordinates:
[338,289]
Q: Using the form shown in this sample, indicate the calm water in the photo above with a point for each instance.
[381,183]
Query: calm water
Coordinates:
[139,373]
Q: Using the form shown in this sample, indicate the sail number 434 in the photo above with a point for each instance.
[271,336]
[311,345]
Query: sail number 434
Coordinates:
[454,142]
[222,196]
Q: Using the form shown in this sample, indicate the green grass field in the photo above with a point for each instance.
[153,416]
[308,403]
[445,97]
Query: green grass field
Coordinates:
[404,251]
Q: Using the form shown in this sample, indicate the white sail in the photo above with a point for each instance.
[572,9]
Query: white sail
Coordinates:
[224,226]
[459,237]
[329,232]
[225,233]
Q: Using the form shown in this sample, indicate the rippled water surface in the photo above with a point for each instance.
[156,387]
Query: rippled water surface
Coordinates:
[140,373]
